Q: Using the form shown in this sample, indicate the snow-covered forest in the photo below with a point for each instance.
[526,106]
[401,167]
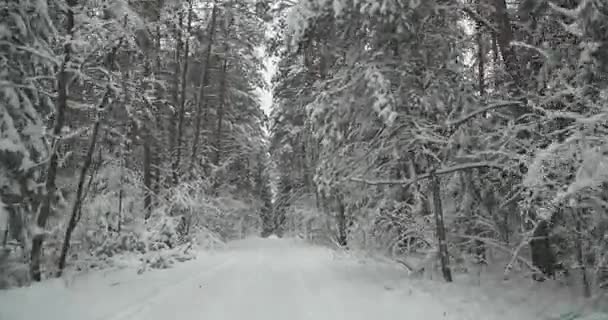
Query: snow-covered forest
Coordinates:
[445,137]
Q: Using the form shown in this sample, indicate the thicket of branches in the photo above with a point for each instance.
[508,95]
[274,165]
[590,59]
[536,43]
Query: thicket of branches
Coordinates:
[467,130]
[127,126]
[492,113]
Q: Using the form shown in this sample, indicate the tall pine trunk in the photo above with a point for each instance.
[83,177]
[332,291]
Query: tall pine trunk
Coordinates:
[173,114]
[481,55]
[203,83]
[504,38]
[509,56]
[220,114]
[160,150]
[182,110]
[63,77]
[580,253]
[125,148]
[341,217]
[75,216]
[147,175]
[76,209]
[440,229]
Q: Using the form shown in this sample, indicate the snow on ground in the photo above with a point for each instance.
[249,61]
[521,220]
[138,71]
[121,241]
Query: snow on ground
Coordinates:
[261,279]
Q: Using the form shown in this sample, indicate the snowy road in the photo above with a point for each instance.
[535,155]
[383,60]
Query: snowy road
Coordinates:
[252,279]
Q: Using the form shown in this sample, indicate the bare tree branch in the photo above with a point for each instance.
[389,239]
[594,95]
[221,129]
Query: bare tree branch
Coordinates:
[424,176]
[514,252]
[495,105]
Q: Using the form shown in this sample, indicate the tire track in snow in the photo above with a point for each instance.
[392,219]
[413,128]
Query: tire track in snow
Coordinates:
[142,304]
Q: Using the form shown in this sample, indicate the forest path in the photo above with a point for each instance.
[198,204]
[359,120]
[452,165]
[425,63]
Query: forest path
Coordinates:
[251,279]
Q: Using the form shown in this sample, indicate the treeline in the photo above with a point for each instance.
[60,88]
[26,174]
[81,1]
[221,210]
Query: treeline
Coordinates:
[127,126]
[485,120]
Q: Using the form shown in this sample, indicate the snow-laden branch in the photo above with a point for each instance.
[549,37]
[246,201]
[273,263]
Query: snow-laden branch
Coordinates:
[514,252]
[478,18]
[541,51]
[570,13]
[425,176]
[41,54]
[495,105]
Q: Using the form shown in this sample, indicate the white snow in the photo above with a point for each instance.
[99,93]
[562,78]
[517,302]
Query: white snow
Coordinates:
[260,279]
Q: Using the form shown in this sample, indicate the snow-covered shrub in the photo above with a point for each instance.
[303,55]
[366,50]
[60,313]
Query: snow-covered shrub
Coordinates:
[112,224]
[401,231]
[567,181]
[163,259]
[14,270]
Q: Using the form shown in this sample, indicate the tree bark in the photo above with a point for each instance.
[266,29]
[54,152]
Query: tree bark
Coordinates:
[441,238]
[341,217]
[182,111]
[147,152]
[125,149]
[79,198]
[220,115]
[504,38]
[481,56]
[580,254]
[61,106]
[173,114]
[542,255]
[76,209]
[509,56]
[204,83]
[147,176]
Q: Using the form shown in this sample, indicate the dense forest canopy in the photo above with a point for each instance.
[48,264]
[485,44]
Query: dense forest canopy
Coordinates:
[471,131]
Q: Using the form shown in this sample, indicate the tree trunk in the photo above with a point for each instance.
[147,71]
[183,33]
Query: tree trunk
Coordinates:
[159,148]
[482,202]
[182,110]
[203,83]
[124,151]
[75,217]
[580,255]
[542,254]
[124,165]
[441,238]
[220,114]
[61,106]
[481,55]
[147,154]
[504,38]
[341,217]
[76,209]
[173,114]
[509,56]
[120,195]
[147,176]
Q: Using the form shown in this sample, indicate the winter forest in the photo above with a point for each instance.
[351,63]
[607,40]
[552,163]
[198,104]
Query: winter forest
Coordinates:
[459,143]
